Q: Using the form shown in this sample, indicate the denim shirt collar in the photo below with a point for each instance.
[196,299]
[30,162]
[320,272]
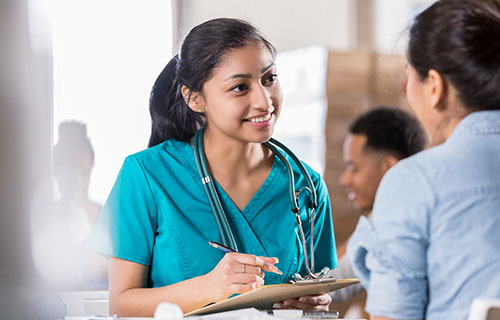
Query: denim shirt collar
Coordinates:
[478,123]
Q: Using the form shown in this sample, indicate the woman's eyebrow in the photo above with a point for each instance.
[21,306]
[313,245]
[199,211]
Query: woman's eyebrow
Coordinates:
[267,68]
[248,75]
[239,75]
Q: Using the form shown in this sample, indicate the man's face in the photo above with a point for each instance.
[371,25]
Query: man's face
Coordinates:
[363,172]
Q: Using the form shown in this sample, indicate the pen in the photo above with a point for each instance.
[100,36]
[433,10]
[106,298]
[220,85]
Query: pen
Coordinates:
[221,247]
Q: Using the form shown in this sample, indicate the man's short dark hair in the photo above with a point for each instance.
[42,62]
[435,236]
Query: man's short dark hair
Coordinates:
[390,130]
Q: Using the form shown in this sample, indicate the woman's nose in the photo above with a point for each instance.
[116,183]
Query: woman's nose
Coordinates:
[261,99]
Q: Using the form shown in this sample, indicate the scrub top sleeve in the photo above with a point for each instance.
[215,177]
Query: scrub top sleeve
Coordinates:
[127,224]
[324,238]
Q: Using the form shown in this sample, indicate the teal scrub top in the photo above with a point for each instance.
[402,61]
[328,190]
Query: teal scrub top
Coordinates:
[158,215]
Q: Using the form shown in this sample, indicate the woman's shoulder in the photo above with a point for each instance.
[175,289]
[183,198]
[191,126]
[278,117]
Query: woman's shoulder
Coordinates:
[167,150]
[316,177]
[431,162]
[167,158]
[162,162]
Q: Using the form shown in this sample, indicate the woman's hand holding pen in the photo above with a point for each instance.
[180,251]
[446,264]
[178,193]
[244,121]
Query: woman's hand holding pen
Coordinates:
[238,273]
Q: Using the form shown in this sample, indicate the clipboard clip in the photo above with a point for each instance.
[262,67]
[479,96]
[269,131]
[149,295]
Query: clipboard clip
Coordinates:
[321,277]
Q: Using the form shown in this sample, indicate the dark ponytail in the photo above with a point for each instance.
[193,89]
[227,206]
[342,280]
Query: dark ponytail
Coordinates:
[461,41]
[171,118]
[202,50]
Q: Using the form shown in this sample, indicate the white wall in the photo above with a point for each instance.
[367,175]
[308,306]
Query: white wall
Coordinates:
[291,24]
[392,19]
[288,24]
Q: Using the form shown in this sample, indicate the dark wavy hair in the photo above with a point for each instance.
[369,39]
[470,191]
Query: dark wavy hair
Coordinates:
[461,41]
[390,130]
[201,51]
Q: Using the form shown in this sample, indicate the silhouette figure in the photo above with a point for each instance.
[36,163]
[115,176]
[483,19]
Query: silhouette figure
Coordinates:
[59,247]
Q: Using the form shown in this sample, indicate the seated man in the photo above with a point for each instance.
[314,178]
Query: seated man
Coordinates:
[377,140]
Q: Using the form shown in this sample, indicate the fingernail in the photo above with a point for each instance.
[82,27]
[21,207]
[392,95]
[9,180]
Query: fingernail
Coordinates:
[276,270]
[276,260]
[277,306]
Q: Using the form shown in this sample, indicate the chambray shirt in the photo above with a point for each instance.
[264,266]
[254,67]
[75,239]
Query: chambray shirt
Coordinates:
[434,241]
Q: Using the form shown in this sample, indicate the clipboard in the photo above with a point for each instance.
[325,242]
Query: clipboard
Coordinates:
[266,296]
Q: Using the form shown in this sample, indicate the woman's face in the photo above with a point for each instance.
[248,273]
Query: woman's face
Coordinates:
[242,99]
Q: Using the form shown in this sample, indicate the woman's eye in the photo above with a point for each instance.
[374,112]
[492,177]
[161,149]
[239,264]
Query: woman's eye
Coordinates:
[271,78]
[239,88]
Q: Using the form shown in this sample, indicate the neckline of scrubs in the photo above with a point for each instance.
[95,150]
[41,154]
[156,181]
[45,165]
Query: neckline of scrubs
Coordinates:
[249,210]
[244,220]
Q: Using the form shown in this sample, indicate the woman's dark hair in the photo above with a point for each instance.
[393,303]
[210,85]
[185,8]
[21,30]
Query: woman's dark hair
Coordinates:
[461,41]
[202,50]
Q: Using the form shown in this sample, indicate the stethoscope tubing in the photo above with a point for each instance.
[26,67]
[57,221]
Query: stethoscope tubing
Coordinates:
[227,236]
[299,164]
[294,196]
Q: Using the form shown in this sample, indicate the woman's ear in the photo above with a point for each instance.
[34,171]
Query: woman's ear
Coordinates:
[193,99]
[436,87]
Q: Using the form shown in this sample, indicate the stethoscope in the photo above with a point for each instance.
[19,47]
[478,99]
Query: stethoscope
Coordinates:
[220,216]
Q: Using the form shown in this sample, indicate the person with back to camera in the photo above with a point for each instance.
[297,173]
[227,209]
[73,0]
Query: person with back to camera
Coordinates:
[433,243]
[377,140]
[157,216]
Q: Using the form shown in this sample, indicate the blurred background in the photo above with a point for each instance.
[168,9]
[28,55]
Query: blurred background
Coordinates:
[75,82]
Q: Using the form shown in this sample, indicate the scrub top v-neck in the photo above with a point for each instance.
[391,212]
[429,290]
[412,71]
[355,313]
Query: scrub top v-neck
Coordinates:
[158,215]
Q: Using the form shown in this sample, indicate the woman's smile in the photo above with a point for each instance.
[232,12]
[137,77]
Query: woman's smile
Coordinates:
[261,121]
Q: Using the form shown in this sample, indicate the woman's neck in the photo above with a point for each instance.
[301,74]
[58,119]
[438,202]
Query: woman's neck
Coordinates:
[445,127]
[240,168]
[230,158]
[448,116]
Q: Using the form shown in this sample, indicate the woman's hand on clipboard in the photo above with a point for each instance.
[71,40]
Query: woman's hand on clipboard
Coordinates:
[238,273]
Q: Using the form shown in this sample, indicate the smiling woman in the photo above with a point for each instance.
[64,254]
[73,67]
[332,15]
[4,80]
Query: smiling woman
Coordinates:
[242,98]
[222,88]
